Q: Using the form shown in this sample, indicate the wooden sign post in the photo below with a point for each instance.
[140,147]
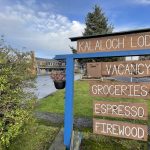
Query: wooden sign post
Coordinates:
[131,43]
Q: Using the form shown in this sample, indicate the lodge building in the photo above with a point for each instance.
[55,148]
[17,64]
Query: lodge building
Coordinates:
[45,66]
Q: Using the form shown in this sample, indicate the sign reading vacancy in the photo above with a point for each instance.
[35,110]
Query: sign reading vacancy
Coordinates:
[120,109]
[114,43]
[120,90]
[127,68]
[120,129]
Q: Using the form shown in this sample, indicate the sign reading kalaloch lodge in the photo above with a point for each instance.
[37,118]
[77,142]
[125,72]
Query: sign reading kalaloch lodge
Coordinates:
[114,42]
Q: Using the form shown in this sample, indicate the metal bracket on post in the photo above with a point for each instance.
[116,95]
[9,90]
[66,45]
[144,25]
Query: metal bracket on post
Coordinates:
[69,94]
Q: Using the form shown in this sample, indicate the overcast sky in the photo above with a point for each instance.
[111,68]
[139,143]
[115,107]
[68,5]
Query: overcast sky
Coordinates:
[46,25]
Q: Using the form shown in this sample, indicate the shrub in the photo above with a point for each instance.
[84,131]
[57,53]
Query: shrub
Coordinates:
[16,103]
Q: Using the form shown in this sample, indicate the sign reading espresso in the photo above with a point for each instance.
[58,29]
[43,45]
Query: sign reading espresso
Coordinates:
[120,129]
[120,90]
[127,68]
[120,109]
[114,43]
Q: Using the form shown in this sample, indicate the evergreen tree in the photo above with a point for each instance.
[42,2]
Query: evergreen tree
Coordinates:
[97,23]
[74,51]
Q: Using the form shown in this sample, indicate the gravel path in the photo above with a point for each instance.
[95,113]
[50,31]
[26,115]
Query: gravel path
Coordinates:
[80,122]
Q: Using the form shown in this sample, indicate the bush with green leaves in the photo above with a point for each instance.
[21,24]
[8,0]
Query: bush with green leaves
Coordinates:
[16,102]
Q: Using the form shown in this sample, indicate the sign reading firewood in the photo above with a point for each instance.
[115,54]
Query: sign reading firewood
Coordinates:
[120,129]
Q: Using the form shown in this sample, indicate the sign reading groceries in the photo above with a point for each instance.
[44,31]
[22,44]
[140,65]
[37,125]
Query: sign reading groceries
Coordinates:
[120,90]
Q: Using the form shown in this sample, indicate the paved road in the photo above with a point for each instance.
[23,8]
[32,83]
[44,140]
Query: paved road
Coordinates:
[45,86]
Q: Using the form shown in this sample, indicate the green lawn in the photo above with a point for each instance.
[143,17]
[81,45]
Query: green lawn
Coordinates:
[39,137]
[99,142]
[55,102]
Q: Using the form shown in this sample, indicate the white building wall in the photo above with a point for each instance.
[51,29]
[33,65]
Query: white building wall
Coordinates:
[132,58]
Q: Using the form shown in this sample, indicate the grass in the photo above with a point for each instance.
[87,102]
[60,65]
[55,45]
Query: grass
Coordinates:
[55,102]
[98,142]
[39,137]
[83,106]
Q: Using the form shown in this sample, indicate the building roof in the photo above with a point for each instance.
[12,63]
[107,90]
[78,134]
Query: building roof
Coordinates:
[110,34]
[44,59]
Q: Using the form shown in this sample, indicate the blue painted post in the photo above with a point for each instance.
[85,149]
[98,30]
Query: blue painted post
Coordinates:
[68,124]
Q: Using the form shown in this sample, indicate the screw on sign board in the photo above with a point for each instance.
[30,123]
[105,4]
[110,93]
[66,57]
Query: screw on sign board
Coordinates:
[120,90]
[114,42]
[120,110]
[120,129]
[122,68]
